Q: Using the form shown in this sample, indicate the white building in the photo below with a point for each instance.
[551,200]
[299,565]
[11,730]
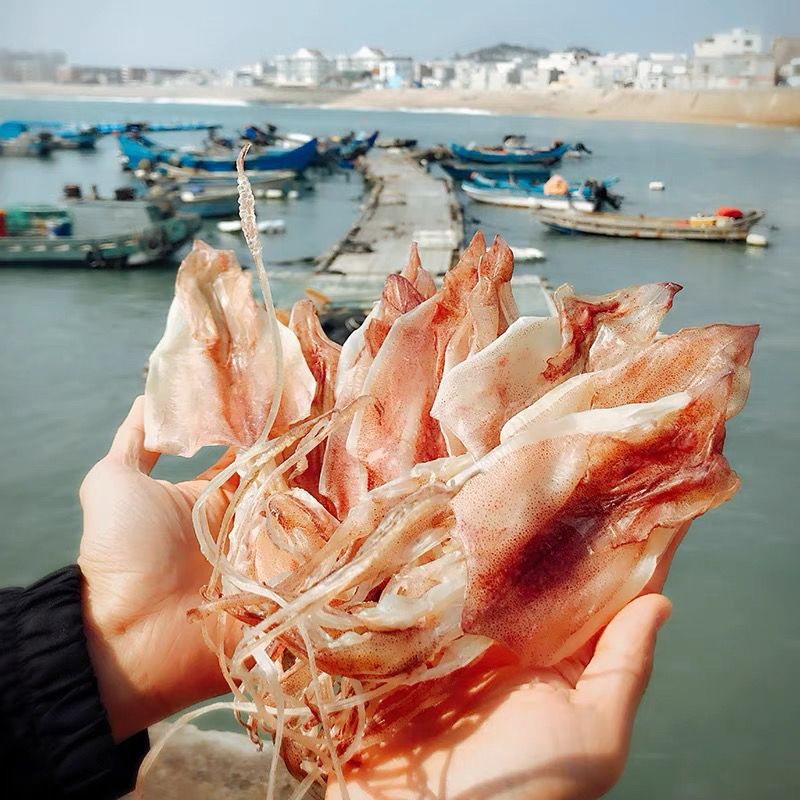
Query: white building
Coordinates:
[478,76]
[663,71]
[306,67]
[557,62]
[732,60]
[396,71]
[531,77]
[738,42]
[435,74]
[615,69]
[790,73]
[365,59]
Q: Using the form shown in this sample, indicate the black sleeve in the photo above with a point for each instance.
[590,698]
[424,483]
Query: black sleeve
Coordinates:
[55,738]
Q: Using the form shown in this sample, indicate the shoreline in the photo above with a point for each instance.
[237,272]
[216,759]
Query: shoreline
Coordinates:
[775,107]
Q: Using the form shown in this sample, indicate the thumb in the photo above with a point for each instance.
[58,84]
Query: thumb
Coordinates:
[616,677]
[128,445]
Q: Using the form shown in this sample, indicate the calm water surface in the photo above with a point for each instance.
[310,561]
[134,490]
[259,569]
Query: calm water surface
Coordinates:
[721,717]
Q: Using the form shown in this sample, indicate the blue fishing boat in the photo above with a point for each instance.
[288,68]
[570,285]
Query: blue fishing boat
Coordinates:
[464,170]
[555,194]
[61,135]
[75,138]
[358,146]
[141,152]
[547,156]
[107,128]
[343,151]
[17,140]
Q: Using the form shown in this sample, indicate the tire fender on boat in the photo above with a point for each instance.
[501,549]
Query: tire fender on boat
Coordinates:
[154,243]
[94,259]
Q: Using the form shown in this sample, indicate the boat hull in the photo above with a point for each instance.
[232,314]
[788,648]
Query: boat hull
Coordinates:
[262,178]
[543,157]
[511,199]
[140,151]
[643,227]
[462,171]
[133,248]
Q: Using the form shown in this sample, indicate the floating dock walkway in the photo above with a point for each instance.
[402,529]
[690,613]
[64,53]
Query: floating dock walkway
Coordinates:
[406,204]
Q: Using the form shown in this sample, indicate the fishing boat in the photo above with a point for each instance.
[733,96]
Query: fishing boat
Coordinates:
[263,179]
[207,199]
[464,170]
[506,154]
[107,128]
[17,140]
[93,233]
[343,151]
[139,151]
[722,226]
[75,138]
[586,196]
[61,135]
[360,145]
[198,198]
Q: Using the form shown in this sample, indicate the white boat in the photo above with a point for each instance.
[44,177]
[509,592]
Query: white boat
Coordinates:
[521,199]
[527,253]
[264,226]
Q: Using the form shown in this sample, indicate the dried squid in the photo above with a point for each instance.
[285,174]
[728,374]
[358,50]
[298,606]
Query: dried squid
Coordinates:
[455,475]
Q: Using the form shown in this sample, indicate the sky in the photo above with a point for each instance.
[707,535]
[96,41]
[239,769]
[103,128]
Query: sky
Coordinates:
[219,34]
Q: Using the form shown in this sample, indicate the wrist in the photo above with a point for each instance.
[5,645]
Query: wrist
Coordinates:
[130,705]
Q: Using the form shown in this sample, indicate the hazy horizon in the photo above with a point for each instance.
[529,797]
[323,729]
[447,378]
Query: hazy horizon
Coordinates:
[201,33]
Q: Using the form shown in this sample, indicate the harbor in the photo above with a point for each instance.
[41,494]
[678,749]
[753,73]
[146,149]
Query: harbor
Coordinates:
[80,336]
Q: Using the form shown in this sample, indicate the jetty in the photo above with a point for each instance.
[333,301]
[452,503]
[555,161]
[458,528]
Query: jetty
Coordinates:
[405,204]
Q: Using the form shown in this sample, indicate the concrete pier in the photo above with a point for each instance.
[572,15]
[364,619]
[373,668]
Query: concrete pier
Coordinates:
[406,204]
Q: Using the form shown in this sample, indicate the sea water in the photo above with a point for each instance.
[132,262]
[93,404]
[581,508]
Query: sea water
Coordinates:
[720,719]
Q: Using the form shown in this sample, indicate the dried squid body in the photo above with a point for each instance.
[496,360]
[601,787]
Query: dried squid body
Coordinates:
[212,377]
[454,475]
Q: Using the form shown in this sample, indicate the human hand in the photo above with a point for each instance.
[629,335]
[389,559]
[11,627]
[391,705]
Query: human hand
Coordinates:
[143,571]
[503,732]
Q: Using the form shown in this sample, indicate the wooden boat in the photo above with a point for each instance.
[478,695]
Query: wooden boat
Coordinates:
[523,194]
[93,233]
[142,152]
[708,228]
[546,156]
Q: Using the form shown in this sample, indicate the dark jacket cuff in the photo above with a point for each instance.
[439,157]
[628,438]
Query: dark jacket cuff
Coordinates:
[58,730]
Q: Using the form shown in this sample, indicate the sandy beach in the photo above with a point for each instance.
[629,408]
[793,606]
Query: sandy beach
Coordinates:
[778,106]
[757,107]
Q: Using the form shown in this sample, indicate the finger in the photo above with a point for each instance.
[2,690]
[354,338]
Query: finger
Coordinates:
[128,445]
[225,460]
[659,577]
[616,677]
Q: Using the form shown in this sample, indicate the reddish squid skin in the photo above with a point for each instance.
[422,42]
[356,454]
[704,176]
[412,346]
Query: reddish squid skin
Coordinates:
[399,431]
[211,377]
[479,396]
[322,358]
[343,479]
[583,317]
[670,364]
[552,531]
